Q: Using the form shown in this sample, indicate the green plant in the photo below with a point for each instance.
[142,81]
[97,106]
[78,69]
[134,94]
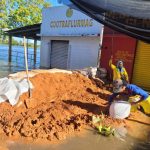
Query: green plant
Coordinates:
[102,128]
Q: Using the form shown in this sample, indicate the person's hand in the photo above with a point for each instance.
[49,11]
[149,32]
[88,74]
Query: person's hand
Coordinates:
[111,57]
[107,103]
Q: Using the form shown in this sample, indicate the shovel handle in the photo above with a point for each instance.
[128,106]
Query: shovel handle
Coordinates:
[26,64]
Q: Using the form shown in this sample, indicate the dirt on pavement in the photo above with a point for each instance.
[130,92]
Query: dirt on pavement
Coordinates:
[61,104]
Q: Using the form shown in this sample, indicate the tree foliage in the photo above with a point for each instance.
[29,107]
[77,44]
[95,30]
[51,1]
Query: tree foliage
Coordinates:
[18,13]
[3,14]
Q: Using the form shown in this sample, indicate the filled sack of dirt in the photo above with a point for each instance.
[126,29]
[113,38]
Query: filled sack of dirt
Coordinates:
[120,109]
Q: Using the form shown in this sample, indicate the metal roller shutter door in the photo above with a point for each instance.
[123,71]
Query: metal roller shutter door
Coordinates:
[59,54]
[141,72]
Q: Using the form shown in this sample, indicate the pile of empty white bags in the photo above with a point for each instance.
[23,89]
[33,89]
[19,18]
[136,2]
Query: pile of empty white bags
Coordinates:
[11,89]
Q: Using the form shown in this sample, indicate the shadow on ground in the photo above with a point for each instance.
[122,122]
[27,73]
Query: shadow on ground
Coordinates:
[93,108]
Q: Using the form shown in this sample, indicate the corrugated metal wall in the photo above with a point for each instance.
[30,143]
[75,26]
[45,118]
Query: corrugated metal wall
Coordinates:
[59,54]
[141,72]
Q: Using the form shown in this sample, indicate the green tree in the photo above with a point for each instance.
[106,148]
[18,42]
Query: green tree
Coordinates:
[18,13]
[14,42]
[3,17]
[3,14]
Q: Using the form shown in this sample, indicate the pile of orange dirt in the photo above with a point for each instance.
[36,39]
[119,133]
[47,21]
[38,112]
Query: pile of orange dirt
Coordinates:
[61,105]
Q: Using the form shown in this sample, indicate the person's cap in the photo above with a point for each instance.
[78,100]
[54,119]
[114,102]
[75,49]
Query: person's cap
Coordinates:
[117,85]
[119,62]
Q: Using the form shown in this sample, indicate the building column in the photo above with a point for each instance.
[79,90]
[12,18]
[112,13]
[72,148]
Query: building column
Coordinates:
[10,48]
[35,50]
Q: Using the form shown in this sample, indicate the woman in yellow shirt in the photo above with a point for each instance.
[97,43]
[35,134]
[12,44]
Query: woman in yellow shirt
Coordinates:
[119,72]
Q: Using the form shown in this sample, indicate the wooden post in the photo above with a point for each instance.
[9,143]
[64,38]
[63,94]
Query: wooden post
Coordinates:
[26,64]
[35,49]
[10,48]
[27,48]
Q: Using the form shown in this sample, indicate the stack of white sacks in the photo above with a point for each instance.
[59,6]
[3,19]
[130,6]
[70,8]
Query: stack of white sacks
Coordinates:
[11,89]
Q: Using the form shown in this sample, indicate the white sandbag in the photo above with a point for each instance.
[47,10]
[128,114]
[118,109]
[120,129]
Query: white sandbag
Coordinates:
[120,109]
[11,90]
[24,85]
[88,72]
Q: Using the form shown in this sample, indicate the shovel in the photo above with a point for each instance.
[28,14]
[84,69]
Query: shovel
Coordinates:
[26,64]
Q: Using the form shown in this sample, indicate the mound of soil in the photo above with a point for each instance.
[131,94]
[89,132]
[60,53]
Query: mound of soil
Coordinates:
[61,104]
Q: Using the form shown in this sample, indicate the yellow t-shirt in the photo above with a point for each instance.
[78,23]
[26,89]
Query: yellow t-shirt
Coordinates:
[116,72]
[146,105]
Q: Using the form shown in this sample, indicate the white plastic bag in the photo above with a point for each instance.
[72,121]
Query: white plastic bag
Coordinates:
[11,89]
[120,109]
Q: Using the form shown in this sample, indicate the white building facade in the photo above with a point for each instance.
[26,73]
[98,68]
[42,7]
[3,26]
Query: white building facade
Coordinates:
[69,39]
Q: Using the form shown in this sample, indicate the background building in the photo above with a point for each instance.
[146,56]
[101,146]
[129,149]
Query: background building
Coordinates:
[69,39]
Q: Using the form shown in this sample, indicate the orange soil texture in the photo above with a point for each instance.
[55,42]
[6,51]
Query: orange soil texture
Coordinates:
[61,104]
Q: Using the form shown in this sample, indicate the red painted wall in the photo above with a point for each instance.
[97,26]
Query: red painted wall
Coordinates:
[122,47]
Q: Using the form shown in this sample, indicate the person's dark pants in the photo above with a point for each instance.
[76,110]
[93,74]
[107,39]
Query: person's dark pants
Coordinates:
[111,97]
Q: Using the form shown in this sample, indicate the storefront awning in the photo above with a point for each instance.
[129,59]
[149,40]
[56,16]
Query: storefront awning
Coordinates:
[131,17]
[31,31]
